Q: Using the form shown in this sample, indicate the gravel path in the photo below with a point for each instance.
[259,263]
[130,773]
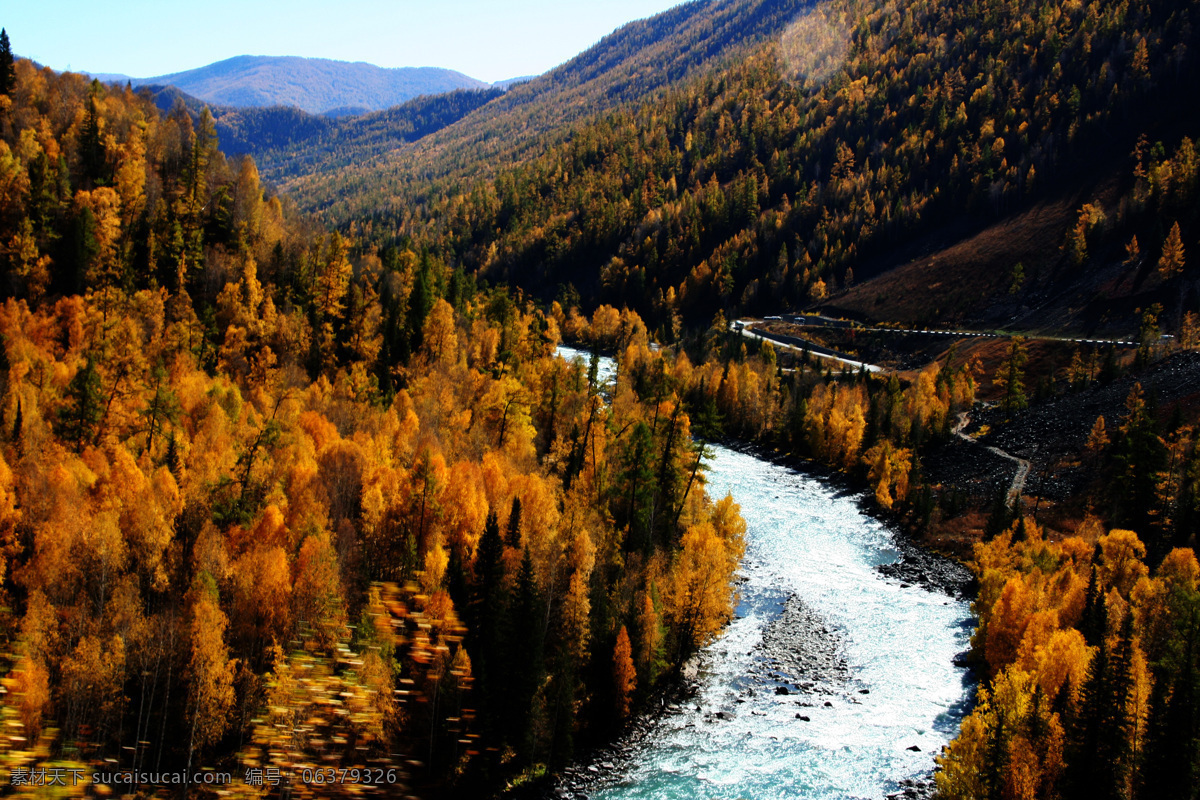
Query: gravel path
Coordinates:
[1017,487]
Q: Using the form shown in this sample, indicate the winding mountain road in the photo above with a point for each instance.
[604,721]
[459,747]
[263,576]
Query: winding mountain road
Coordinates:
[1015,489]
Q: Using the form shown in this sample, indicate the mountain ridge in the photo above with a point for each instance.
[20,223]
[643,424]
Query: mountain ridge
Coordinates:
[315,85]
[751,190]
[629,65]
[283,138]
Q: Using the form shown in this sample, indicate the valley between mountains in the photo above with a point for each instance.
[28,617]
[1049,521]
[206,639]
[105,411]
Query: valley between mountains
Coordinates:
[297,487]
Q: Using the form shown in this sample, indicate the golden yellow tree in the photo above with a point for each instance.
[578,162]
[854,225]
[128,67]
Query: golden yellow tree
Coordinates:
[440,342]
[624,674]
[1171,262]
[211,695]
[701,590]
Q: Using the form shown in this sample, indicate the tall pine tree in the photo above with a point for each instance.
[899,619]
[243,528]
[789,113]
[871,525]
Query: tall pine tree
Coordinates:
[7,75]
[93,157]
[514,523]
[1098,752]
[1171,767]
[79,418]
[524,657]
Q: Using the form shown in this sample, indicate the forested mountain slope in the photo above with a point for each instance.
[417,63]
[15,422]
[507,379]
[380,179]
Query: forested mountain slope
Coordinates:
[252,471]
[772,180]
[286,141]
[636,61]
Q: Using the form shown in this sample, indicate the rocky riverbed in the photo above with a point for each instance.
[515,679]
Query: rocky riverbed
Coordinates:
[919,566]
[837,678]
[800,657]
[801,653]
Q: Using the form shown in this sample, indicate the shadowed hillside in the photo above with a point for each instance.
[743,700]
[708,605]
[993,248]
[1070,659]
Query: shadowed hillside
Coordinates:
[637,61]
[765,183]
[284,140]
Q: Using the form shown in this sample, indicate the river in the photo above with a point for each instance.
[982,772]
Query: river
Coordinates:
[882,680]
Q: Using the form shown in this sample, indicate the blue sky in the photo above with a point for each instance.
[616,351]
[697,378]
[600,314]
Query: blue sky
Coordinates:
[487,39]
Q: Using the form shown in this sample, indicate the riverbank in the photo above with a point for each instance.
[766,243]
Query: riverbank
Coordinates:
[801,656]
[917,564]
[792,678]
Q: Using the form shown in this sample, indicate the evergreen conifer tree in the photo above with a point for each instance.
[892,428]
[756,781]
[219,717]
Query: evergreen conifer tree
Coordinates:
[1171,766]
[92,154]
[1011,377]
[637,482]
[6,63]
[514,523]
[173,461]
[78,419]
[83,250]
[1117,725]
[1098,752]
[420,303]
[488,617]
[1083,770]
[1091,625]
[525,654]
[17,423]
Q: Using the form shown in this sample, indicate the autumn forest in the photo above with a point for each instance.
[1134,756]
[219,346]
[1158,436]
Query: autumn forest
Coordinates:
[297,479]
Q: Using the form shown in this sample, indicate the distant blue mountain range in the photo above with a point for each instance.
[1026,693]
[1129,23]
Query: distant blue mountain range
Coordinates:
[316,85]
